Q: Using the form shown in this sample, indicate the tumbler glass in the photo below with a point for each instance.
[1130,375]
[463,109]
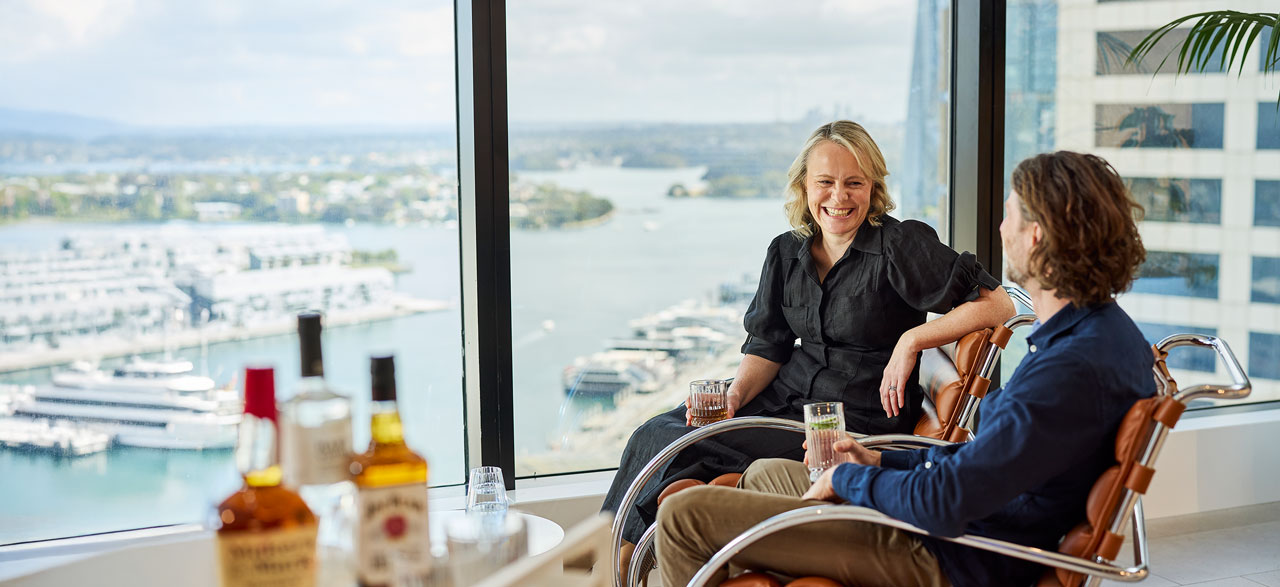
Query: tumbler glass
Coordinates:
[486,493]
[708,401]
[823,427]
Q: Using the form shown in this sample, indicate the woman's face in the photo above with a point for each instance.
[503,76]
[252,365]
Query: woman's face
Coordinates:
[838,191]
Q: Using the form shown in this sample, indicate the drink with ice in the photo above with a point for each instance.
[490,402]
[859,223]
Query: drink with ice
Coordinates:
[823,427]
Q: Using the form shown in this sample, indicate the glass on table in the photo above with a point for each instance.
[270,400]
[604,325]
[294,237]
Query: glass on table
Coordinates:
[708,401]
[823,427]
[486,493]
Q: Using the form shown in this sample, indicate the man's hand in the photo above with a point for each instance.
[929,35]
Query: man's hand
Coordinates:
[822,488]
[856,453]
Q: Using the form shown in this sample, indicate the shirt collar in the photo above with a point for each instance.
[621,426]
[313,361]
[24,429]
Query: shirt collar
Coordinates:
[868,240]
[1061,322]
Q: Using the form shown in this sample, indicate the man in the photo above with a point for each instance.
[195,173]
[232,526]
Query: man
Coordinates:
[1071,240]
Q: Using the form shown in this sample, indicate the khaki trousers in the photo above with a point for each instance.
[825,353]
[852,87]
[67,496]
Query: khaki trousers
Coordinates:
[693,524]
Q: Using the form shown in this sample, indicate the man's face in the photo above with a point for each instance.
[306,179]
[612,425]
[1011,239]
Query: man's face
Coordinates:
[1018,236]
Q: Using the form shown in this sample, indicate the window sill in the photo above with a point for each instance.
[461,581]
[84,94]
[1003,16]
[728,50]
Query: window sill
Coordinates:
[565,500]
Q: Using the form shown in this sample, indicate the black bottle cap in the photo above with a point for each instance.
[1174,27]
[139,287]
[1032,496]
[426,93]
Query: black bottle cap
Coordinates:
[383,370]
[309,344]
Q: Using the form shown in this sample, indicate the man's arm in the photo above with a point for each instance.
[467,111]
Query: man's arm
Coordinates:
[1040,429]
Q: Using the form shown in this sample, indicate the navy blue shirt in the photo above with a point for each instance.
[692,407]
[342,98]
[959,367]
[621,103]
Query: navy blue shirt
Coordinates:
[1045,438]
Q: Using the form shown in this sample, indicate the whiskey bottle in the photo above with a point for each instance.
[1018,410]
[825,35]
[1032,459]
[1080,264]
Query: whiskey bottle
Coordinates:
[266,534]
[391,492]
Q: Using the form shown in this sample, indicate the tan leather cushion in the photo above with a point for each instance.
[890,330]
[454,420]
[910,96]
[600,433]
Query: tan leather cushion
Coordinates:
[677,485]
[752,580]
[948,387]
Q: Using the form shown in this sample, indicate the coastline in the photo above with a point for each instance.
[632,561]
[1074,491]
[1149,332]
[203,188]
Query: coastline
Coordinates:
[106,347]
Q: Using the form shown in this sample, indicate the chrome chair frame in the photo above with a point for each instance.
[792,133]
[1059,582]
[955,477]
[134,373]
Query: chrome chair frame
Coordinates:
[667,454]
[1097,569]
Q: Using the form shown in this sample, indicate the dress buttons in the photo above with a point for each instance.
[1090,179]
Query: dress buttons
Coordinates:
[928,464]
[1033,348]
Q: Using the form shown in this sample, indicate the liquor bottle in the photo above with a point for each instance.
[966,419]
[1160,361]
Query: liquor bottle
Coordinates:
[316,447]
[316,435]
[266,534]
[391,491]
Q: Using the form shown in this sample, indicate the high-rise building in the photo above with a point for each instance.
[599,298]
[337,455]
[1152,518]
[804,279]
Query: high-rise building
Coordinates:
[1201,153]
[925,177]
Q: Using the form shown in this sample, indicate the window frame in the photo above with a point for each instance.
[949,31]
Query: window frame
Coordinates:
[976,176]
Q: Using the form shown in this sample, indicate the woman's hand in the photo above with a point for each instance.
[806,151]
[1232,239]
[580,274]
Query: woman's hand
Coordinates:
[893,386]
[732,401]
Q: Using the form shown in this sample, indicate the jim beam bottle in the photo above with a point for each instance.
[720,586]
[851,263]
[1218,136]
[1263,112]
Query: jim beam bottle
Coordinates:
[266,534]
[391,492]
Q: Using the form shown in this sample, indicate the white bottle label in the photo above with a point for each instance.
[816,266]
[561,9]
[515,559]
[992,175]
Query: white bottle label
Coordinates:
[274,558]
[393,538]
[317,455]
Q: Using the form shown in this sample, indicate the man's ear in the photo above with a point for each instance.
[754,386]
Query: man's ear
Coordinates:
[1036,234]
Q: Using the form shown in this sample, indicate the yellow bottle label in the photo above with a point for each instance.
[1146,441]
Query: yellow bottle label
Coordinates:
[274,558]
[393,537]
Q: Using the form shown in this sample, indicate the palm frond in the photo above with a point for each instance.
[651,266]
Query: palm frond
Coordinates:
[1238,30]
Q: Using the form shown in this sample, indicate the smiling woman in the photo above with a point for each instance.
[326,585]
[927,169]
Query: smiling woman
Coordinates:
[854,286]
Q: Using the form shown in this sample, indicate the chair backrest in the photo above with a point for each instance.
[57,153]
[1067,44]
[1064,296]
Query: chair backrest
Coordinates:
[952,375]
[1094,537]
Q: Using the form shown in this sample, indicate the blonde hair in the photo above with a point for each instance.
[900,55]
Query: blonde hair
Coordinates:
[853,137]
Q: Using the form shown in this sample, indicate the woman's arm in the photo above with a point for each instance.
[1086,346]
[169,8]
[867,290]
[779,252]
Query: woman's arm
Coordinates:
[754,374]
[990,309]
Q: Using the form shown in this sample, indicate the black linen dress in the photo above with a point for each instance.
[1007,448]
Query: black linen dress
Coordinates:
[890,277]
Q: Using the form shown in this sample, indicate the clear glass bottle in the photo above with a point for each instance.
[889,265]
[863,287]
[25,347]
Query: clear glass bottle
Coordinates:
[391,492]
[316,446]
[266,534]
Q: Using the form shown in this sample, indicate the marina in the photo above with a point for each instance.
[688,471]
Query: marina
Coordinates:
[118,294]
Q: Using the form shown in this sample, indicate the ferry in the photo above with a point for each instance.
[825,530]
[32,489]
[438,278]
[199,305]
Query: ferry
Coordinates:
[142,404]
[608,373]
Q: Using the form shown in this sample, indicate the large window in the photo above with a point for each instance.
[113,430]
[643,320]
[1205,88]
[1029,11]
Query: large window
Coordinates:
[177,181]
[649,151]
[1193,149]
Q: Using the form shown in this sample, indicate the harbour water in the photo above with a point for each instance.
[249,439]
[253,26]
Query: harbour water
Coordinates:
[571,290]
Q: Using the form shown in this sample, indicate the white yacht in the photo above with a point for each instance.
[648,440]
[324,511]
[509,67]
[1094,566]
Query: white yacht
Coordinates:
[143,404]
[136,375]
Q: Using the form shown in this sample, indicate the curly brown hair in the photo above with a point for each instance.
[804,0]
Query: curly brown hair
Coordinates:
[1091,248]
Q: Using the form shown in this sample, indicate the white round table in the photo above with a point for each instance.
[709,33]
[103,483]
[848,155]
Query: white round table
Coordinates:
[544,534]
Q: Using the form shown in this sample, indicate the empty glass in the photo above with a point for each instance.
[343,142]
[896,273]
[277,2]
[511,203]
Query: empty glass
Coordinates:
[486,493]
[823,427]
[708,401]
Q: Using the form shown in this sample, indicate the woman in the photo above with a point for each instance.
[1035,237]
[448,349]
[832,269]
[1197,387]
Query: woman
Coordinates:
[854,285]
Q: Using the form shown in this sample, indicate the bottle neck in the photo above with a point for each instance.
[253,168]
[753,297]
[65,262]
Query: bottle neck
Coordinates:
[385,425]
[257,455]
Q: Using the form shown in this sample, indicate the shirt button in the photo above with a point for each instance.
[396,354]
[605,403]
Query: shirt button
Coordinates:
[928,464]
[1033,348]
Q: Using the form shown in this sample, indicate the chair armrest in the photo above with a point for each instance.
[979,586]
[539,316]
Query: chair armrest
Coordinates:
[1240,386]
[666,455]
[828,513]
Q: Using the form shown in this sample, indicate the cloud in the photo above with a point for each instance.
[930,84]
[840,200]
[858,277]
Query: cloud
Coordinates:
[30,29]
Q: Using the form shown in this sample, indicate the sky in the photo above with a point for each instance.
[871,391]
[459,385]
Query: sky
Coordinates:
[167,63]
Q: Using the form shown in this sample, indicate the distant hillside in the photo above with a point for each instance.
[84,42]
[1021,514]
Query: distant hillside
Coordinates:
[55,124]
